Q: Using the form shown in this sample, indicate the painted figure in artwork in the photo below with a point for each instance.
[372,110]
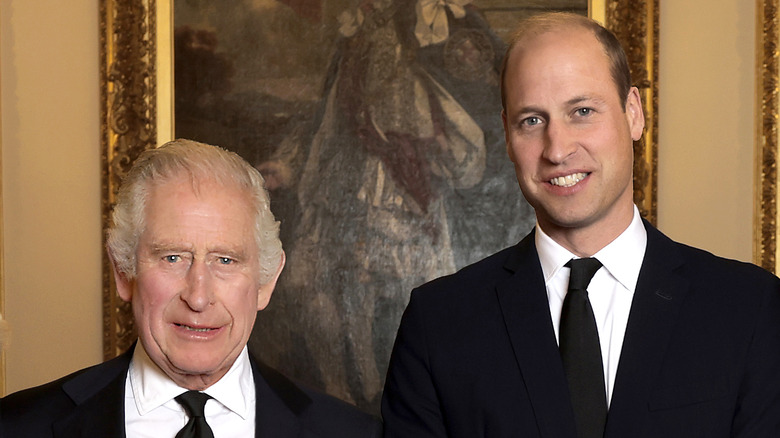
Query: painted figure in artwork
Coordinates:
[398,138]
[391,177]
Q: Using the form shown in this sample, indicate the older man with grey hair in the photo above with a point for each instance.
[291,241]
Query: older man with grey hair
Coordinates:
[195,251]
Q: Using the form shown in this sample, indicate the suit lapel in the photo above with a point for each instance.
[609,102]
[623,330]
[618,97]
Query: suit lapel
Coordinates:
[659,294]
[526,312]
[98,394]
[280,405]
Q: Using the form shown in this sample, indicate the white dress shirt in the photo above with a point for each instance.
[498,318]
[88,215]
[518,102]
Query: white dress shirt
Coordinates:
[610,291]
[152,412]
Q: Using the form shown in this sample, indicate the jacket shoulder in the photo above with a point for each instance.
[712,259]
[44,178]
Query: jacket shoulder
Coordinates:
[32,399]
[31,412]
[704,264]
[473,280]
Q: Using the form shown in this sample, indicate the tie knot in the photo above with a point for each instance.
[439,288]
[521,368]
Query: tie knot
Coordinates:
[582,271]
[193,402]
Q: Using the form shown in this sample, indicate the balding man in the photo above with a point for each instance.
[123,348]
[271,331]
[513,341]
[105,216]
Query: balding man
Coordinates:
[596,324]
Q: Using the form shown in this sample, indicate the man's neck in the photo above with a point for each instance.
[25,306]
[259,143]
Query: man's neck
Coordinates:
[587,240]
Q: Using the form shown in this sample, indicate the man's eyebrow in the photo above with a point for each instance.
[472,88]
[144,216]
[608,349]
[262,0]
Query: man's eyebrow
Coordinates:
[237,254]
[531,109]
[576,100]
[579,99]
[160,247]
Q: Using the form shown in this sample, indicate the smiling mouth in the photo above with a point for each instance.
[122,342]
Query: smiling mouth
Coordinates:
[568,180]
[195,329]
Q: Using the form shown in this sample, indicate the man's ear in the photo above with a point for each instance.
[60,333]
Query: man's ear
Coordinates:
[635,114]
[124,286]
[266,290]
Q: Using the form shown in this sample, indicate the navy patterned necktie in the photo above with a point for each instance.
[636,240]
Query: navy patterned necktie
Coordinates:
[581,352]
[193,403]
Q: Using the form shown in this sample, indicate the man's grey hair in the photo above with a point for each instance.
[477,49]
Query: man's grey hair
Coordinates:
[199,162]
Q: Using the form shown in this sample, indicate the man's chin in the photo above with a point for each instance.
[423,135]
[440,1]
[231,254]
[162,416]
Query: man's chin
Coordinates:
[199,364]
[569,220]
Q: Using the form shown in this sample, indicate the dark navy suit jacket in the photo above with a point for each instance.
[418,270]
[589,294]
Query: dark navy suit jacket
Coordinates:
[90,403]
[476,354]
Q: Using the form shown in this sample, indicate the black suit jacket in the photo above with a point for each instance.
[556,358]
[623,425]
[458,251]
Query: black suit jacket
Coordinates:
[476,354]
[90,403]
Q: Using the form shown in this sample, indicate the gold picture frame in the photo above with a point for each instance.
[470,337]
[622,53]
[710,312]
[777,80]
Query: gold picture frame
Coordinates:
[136,108]
[766,195]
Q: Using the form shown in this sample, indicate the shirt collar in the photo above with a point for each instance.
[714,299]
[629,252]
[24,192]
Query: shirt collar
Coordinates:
[152,388]
[622,257]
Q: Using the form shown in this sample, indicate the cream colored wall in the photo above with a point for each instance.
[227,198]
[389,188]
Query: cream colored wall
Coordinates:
[51,162]
[51,183]
[705,187]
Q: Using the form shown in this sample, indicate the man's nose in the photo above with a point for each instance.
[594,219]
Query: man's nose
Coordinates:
[559,142]
[198,291]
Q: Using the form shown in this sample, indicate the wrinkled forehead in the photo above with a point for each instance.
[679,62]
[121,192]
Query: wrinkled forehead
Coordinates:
[163,191]
[225,207]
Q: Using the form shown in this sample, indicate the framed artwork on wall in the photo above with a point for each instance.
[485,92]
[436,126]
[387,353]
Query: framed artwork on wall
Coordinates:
[376,124]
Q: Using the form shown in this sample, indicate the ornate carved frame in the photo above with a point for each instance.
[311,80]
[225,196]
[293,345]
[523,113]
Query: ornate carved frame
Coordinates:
[128,84]
[766,197]
[128,127]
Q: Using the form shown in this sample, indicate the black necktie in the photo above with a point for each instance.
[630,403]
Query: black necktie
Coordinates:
[581,352]
[194,402]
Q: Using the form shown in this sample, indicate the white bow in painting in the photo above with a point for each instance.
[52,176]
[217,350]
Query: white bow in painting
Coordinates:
[432,26]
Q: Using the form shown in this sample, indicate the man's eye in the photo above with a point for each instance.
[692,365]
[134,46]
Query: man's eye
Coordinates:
[532,121]
[224,260]
[584,111]
[172,258]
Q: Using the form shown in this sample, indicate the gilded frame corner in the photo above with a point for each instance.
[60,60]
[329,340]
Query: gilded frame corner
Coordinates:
[129,114]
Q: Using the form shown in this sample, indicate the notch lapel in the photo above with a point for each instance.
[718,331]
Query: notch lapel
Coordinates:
[526,313]
[655,308]
[98,394]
